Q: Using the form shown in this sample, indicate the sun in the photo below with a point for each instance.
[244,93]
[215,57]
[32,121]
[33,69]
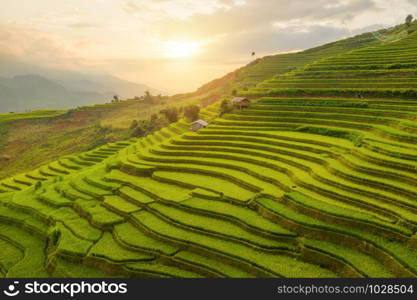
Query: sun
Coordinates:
[181,49]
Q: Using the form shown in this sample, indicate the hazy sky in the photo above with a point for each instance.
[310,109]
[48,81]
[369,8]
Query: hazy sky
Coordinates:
[179,44]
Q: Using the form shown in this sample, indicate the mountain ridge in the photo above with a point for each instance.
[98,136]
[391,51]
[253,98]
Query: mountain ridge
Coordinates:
[69,89]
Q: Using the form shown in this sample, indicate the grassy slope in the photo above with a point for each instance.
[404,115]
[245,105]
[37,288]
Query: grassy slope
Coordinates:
[269,66]
[28,140]
[329,191]
[385,69]
[31,139]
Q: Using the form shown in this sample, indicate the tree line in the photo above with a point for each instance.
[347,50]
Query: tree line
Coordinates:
[166,116]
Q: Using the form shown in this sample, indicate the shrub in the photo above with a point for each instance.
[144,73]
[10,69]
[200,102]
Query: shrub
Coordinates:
[192,112]
[139,131]
[171,114]
[225,107]
[134,124]
[38,185]
[409,19]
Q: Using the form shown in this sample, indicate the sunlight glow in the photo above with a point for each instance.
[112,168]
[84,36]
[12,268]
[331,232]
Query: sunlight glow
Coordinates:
[181,49]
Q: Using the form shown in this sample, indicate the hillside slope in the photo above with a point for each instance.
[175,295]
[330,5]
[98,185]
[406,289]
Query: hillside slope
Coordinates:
[28,140]
[79,132]
[267,67]
[383,70]
[248,196]
[290,187]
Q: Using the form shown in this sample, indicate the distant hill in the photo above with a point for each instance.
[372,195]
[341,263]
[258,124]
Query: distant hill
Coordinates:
[27,92]
[25,86]
[315,179]
[104,84]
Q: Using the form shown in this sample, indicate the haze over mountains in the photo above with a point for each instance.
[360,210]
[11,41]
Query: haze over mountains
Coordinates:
[25,87]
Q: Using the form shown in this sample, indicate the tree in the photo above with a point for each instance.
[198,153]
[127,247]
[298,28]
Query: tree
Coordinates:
[116,98]
[134,124]
[150,124]
[225,107]
[192,112]
[148,97]
[171,114]
[409,19]
[154,117]
[138,131]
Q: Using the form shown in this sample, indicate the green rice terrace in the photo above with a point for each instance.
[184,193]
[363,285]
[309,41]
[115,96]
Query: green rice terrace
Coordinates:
[316,178]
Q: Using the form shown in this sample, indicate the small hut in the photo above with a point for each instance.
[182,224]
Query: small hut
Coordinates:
[241,102]
[197,125]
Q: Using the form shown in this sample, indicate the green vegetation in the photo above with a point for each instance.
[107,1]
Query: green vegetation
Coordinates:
[70,132]
[384,71]
[317,178]
[108,248]
[213,226]
[240,215]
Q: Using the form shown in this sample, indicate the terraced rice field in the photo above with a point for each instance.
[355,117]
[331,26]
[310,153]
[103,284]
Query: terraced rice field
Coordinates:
[245,197]
[267,67]
[384,70]
[291,187]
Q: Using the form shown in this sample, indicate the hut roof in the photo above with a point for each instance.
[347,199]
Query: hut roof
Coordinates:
[201,122]
[239,99]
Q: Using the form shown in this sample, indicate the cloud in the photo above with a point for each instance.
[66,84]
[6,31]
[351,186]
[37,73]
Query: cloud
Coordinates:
[412,2]
[254,14]
[171,9]
[83,25]
[284,39]
[272,26]
[36,47]
[131,7]
[126,37]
